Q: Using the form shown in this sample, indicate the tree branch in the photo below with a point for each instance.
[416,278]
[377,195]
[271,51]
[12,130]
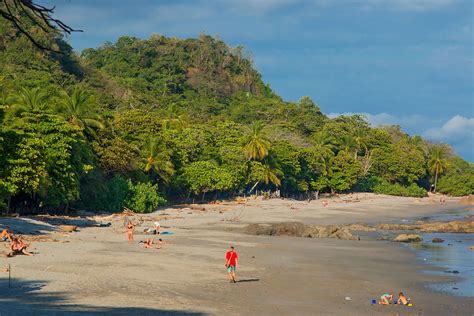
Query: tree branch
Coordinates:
[17,11]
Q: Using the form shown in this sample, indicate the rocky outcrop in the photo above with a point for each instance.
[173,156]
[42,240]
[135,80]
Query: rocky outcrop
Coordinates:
[437,240]
[433,227]
[296,229]
[360,227]
[408,238]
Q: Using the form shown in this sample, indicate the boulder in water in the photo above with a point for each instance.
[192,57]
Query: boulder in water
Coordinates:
[408,238]
[437,240]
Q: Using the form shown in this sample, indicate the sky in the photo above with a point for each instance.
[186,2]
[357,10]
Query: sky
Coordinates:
[404,62]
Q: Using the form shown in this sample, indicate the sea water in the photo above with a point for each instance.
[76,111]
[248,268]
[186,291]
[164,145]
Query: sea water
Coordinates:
[451,255]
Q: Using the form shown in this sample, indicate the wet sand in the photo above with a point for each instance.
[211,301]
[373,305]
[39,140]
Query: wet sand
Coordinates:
[96,271]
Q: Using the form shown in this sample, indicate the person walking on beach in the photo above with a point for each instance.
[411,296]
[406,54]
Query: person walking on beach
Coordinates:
[130,232]
[231,263]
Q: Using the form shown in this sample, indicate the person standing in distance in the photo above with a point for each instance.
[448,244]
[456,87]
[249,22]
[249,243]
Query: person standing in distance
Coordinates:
[231,263]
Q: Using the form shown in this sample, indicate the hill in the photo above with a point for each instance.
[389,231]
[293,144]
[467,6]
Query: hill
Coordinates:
[138,122]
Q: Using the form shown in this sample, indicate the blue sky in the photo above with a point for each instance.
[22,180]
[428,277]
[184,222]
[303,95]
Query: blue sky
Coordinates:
[406,62]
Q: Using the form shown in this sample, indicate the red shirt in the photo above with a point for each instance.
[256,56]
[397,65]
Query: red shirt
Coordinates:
[231,257]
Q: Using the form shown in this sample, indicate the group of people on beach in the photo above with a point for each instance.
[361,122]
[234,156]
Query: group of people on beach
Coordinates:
[17,244]
[231,257]
[149,242]
[387,299]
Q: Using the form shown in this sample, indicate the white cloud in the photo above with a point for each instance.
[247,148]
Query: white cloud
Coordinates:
[457,128]
[409,5]
[411,122]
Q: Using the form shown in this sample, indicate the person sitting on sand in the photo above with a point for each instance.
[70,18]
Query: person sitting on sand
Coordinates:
[130,228]
[402,299]
[385,299]
[18,246]
[6,234]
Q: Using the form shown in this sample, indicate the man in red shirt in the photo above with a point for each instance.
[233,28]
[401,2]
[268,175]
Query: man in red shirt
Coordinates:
[231,263]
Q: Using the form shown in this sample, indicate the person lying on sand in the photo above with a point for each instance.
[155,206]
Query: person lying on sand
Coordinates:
[18,246]
[130,228]
[402,299]
[150,242]
[155,230]
[385,299]
[6,234]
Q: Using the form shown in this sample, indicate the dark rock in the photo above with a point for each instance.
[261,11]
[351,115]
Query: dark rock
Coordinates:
[452,271]
[437,240]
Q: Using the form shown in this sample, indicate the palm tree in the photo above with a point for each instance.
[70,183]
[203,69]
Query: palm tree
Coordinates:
[78,109]
[28,101]
[268,175]
[323,144]
[158,159]
[438,162]
[256,147]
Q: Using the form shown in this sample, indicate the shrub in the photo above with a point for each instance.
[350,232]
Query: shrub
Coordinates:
[397,189]
[456,185]
[367,184]
[143,197]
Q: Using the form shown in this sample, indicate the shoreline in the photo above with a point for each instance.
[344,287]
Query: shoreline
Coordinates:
[95,271]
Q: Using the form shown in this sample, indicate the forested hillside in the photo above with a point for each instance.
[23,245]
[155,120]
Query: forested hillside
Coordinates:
[138,122]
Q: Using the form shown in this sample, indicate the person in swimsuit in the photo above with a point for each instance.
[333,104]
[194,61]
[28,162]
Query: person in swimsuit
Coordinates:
[130,228]
[402,299]
[385,299]
[18,246]
[6,234]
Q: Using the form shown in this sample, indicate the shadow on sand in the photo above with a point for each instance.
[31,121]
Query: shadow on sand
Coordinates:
[247,280]
[34,225]
[24,298]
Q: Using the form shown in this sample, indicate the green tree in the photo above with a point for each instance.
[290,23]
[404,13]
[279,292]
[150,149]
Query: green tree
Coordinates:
[158,159]
[79,109]
[26,101]
[256,146]
[438,161]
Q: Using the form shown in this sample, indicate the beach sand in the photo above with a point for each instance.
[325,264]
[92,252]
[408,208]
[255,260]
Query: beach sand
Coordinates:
[96,271]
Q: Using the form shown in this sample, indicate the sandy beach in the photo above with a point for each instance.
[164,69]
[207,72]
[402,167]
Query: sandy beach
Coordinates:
[95,270]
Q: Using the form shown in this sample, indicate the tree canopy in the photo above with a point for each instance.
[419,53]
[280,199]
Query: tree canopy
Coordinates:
[138,122]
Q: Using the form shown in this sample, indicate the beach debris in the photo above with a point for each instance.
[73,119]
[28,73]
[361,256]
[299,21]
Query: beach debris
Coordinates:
[197,208]
[437,240]
[128,212]
[68,228]
[347,298]
[408,238]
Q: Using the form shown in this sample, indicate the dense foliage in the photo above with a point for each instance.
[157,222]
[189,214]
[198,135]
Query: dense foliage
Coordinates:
[140,121]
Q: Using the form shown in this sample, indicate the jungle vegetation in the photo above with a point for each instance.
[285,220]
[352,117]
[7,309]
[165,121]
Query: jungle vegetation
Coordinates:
[139,122]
